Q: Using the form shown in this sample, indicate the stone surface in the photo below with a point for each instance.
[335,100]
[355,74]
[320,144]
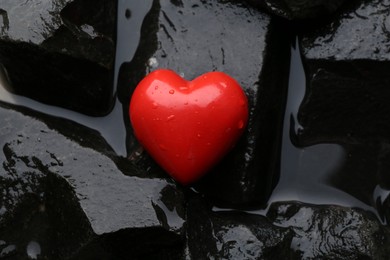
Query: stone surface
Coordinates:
[332,232]
[359,174]
[65,196]
[236,40]
[234,235]
[299,9]
[60,52]
[346,64]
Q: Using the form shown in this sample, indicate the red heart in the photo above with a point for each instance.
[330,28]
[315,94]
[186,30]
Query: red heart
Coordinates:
[188,126]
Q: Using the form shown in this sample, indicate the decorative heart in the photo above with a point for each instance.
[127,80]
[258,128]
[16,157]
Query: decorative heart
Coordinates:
[188,126]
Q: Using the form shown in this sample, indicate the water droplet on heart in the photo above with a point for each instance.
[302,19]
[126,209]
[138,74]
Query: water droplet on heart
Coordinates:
[170,118]
[223,84]
[33,250]
[155,87]
[152,62]
[186,103]
[208,144]
[240,124]
[183,88]
[227,130]
[162,147]
[171,91]
[154,105]
[199,135]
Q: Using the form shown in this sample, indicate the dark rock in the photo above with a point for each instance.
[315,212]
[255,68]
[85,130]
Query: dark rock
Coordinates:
[381,192]
[70,199]
[7,250]
[359,173]
[332,232]
[346,64]
[236,39]
[364,174]
[383,165]
[299,9]
[384,210]
[60,53]
[234,235]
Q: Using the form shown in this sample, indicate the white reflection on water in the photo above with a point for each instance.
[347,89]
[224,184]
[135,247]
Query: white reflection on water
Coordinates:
[111,127]
[305,171]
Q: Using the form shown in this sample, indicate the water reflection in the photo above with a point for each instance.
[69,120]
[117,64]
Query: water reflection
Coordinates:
[308,174]
[111,127]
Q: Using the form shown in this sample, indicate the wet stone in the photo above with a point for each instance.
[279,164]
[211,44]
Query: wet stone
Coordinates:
[61,197]
[6,250]
[236,40]
[299,9]
[60,52]
[362,171]
[332,232]
[347,88]
[234,235]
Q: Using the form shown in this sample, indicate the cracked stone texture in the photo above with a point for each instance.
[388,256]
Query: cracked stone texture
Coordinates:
[290,230]
[68,197]
[299,9]
[60,52]
[332,232]
[234,235]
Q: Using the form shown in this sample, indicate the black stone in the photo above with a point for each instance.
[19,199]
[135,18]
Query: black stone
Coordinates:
[60,52]
[332,232]
[360,172]
[71,199]
[347,91]
[193,38]
[234,235]
[299,9]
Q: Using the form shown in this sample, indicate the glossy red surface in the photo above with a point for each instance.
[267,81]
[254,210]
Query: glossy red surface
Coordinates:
[188,126]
